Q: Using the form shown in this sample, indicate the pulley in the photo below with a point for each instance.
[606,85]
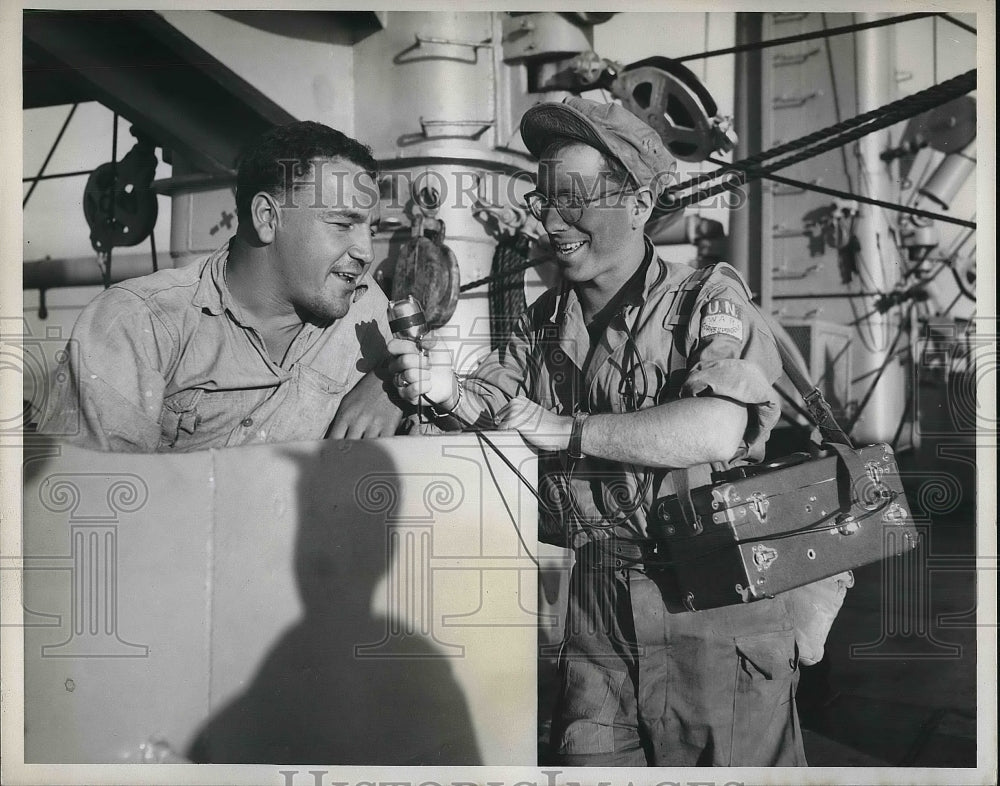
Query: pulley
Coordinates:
[426,268]
[950,126]
[671,99]
[947,128]
[118,203]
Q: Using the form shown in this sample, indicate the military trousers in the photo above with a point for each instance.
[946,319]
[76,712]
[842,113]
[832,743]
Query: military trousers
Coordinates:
[646,682]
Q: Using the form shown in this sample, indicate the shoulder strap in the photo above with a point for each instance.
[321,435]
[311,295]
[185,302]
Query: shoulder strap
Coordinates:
[687,296]
[817,408]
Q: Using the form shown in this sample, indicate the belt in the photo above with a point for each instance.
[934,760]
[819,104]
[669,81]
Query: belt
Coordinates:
[615,554]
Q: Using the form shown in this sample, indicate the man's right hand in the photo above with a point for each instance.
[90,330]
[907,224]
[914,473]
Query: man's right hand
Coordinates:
[428,373]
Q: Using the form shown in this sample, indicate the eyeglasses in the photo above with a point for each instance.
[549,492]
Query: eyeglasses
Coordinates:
[568,206]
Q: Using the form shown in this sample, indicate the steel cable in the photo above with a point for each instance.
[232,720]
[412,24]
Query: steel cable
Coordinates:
[739,173]
[793,39]
[747,170]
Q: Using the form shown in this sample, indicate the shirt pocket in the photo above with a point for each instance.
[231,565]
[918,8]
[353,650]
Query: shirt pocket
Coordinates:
[308,407]
[223,412]
[179,418]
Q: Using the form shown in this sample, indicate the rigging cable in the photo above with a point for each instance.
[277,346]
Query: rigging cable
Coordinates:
[958,23]
[52,150]
[739,173]
[889,357]
[764,174]
[836,103]
[829,138]
[895,20]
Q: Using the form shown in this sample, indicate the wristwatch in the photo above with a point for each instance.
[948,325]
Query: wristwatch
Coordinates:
[575,449]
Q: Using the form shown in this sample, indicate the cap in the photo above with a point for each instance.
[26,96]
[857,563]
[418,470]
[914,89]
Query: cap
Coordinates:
[610,128]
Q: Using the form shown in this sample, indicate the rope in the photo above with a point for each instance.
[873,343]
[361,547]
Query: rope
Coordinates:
[487,279]
[836,103]
[506,300]
[898,110]
[958,23]
[822,141]
[747,170]
[890,356]
[52,150]
[856,197]
[792,39]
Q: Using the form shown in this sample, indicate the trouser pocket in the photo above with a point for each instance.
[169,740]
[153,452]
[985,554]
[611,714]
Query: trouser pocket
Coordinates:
[765,729]
[588,703]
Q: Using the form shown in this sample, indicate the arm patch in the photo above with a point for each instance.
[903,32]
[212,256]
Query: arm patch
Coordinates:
[721,316]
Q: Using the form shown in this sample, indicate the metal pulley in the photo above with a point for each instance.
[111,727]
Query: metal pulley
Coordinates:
[671,99]
[118,203]
[426,268]
[950,126]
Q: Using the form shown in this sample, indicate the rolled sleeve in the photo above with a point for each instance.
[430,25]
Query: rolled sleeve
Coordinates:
[733,355]
[507,371]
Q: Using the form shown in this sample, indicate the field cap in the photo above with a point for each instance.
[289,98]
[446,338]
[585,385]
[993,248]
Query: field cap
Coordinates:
[610,128]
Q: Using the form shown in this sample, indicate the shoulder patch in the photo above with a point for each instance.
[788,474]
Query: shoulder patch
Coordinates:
[721,316]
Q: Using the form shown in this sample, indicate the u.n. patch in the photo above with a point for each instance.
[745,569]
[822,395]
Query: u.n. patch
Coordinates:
[721,316]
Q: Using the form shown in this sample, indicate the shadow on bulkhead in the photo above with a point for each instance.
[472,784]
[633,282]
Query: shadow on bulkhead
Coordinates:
[314,699]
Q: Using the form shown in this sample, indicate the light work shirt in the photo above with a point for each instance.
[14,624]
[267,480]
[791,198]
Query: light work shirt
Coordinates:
[169,362]
[672,337]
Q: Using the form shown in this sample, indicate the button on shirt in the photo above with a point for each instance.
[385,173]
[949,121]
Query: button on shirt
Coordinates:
[673,336]
[169,362]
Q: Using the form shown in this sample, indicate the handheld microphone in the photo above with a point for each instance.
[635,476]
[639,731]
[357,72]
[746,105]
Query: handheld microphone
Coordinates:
[406,319]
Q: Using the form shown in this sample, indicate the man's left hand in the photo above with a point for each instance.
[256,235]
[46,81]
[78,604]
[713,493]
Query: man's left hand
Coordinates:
[366,412]
[540,428]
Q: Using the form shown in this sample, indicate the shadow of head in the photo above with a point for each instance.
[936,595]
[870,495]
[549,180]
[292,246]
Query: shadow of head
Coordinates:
[344,685]
[342,547]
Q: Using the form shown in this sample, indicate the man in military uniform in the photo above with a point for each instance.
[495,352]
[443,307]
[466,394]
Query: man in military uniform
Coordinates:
[633,373]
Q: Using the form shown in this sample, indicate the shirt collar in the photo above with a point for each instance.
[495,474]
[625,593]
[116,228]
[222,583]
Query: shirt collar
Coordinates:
[213,293]
[656,272]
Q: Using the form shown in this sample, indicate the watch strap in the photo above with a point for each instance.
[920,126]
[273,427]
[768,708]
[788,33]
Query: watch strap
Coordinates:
[575,449]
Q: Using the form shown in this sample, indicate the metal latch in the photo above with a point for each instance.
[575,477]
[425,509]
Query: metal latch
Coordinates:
[874,472]
[763,556]
[759,504]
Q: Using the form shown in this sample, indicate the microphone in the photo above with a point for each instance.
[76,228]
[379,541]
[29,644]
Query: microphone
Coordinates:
[406,320]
